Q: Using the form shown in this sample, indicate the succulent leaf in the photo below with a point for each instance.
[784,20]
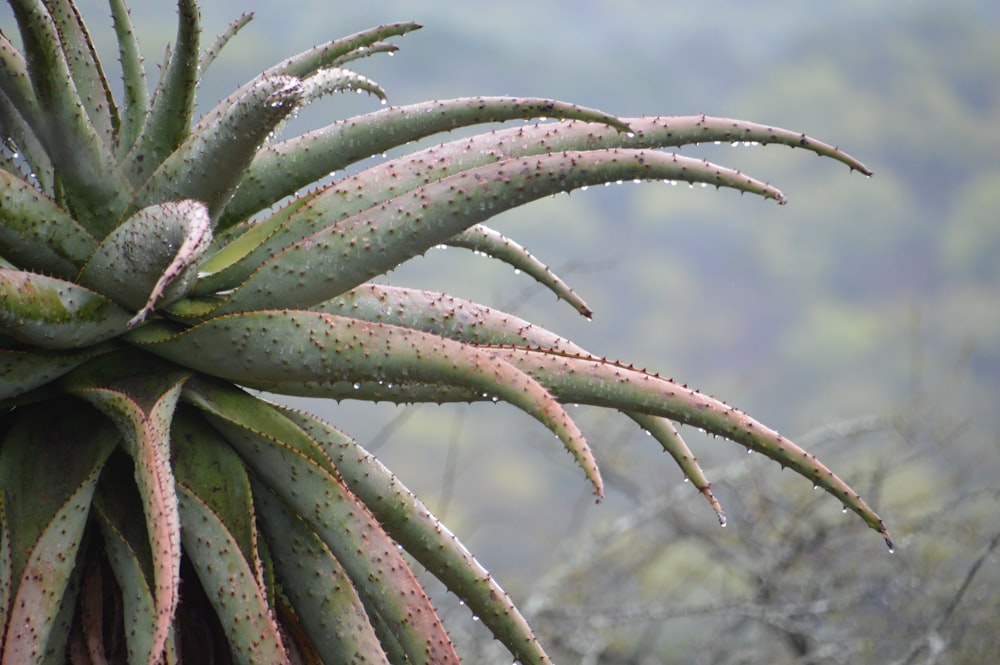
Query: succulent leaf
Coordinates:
[349,251]
[22,371]
[229,580]
[372,561]
[334,52]
[326,601]
[429,541]
[117,507]
[38,235]
[45,532]
[299,346]
[168,122]
[596,381]
[85,68]
[142,406]
[208,57]
[136,91]
[281,169]
[151,258]
[208,165]
[494,244]
[52,313]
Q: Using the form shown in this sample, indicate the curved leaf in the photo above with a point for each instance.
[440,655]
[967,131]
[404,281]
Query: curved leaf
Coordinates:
[315,583]
[37,234]
[485,240]
[85,163]
[136,101]
[118,509]
[139,393]
[596,381]
[150,258]
[168,122]
[45,532]
[208,165]
[208,57]
[22,371]
[347,252]
[467,321]
[335,51]
[258,348]
[371,559]
[426,539]
[229,582]
[54,314]
[280,170]
[85,68]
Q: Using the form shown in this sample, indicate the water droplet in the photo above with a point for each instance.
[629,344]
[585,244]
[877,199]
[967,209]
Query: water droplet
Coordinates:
[749,451]
[815,487]
[585,188]
[844,510]
[357,386]
[517,271]
[475,618]
[722,521]
[686,479]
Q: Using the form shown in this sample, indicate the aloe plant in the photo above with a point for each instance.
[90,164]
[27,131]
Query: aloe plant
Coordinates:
[157,270]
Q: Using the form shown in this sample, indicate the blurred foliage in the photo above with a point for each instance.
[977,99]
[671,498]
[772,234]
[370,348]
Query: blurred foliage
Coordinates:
[876,297]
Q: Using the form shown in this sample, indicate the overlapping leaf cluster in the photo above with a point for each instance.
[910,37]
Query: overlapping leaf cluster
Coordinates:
[153,265]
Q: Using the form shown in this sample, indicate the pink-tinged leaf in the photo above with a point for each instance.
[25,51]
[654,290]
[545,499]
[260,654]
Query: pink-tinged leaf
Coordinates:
[494,244]
[150,258]
[259,349]
[49,468]
[281,169]
[290,469]
[300,266]
[590,380]
[51,313]
[139,393]
[426,539]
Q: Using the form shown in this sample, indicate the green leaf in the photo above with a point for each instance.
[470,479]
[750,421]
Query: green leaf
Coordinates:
[85,68]
[136,102]
[425,538]
[378,571]
[37,234]
[346,252]
[325,600]
[467,321]
[258,348]
[118,508]
[151,258]
[207,167]
[168,121]
[56,462]
[281,169]
[139,393]
[24,155]
[208,57]
[228,579]
[485,240]
[666,434]
[22,371]
[333,52]
[206,466]
[54,314]
[59,118]
[599,382]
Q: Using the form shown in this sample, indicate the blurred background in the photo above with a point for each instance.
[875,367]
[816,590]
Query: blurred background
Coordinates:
[862,320]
